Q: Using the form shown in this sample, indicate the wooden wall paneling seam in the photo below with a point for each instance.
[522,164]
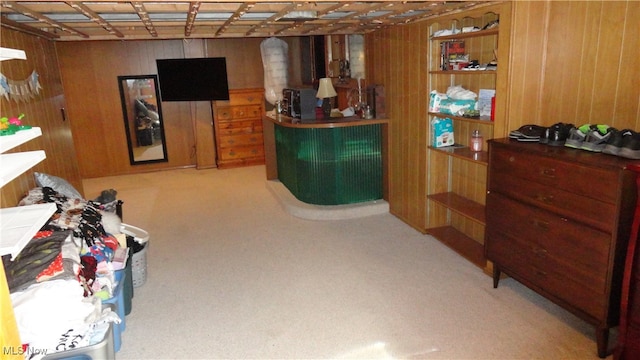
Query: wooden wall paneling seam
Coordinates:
[423,119]
[201,114]
[588,55]
[626,107]
[517,87]
[557,63]
[407,74]
[578,64]
[502,78]
[607,62]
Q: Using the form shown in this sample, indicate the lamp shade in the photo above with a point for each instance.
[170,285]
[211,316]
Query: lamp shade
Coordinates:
[325,89]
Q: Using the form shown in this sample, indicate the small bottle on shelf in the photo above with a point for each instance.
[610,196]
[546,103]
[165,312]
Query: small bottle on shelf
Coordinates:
[476,141]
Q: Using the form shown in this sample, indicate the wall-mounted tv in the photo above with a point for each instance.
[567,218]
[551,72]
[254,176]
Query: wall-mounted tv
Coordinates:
[193,79]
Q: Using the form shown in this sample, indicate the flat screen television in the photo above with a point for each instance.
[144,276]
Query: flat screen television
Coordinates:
[193,79]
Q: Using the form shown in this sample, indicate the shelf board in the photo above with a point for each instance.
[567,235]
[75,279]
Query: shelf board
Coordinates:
[484,121]
[459,72]
[467,35]
[461,205]
[460,243]
[9,54]
[17,163]
[8,142]
[464,153]
[19,224]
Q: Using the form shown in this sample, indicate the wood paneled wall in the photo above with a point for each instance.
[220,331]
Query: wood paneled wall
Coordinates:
[575,62]
[44,111]
[90,70]
[89,73]
[244,60]
[397,59]
[569,61]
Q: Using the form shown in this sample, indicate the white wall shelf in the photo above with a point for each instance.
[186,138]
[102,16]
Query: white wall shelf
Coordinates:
[15,164]
[19,224]
[8,142]
[9,54]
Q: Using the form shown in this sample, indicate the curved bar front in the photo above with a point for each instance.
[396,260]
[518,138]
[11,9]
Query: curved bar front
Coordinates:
[327,162]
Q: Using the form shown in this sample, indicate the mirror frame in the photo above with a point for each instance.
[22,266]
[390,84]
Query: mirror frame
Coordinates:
[127,111]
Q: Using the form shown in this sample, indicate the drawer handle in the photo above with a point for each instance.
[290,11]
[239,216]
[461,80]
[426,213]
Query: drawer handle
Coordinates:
[253,139]
[231,141]
[547,199]
[541,224]
[550,172]
[541,273]
[540,252]
[254,151]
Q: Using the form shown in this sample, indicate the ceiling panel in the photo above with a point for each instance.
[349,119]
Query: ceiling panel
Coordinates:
[117,20]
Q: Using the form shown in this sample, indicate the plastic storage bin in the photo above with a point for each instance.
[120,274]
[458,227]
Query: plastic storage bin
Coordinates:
[102,350]
[118,301]
[128,285]
[139,267]
[139,259]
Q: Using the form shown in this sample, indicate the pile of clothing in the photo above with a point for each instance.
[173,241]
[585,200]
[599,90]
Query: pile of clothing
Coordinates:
[58,281]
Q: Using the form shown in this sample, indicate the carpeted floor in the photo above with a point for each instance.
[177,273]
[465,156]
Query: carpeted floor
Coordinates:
[233,275]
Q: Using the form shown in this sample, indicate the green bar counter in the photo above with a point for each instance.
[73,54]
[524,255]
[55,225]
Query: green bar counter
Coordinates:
[335,162]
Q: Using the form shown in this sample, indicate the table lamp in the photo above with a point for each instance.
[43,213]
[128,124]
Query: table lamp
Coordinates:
[326,92]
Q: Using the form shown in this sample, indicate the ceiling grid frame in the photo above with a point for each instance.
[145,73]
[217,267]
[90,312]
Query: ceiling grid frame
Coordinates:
[165,19]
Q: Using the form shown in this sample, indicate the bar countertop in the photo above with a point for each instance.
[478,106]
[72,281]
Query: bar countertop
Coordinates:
[336,122]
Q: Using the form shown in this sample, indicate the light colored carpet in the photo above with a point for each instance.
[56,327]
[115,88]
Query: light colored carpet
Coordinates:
[303,210]
[232,275]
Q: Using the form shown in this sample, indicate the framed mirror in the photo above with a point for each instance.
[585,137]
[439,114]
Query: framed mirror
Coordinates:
[143,123]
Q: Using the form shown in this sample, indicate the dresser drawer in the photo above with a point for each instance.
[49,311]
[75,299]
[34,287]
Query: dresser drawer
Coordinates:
[246,112]
[246,97]
[241,140]
[515,258]
[224,113]
[551,241]
[598,214]
[239,127]
[589,182]
[241,152]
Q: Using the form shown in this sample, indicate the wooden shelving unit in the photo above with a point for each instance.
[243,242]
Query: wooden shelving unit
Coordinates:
[464,245]
[471,120]
[461,205]
[464,153]
[463,72]
[456,181]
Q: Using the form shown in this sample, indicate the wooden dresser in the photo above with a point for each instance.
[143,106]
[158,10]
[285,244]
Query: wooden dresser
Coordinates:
[628,347]
[238,128]
[558,221]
